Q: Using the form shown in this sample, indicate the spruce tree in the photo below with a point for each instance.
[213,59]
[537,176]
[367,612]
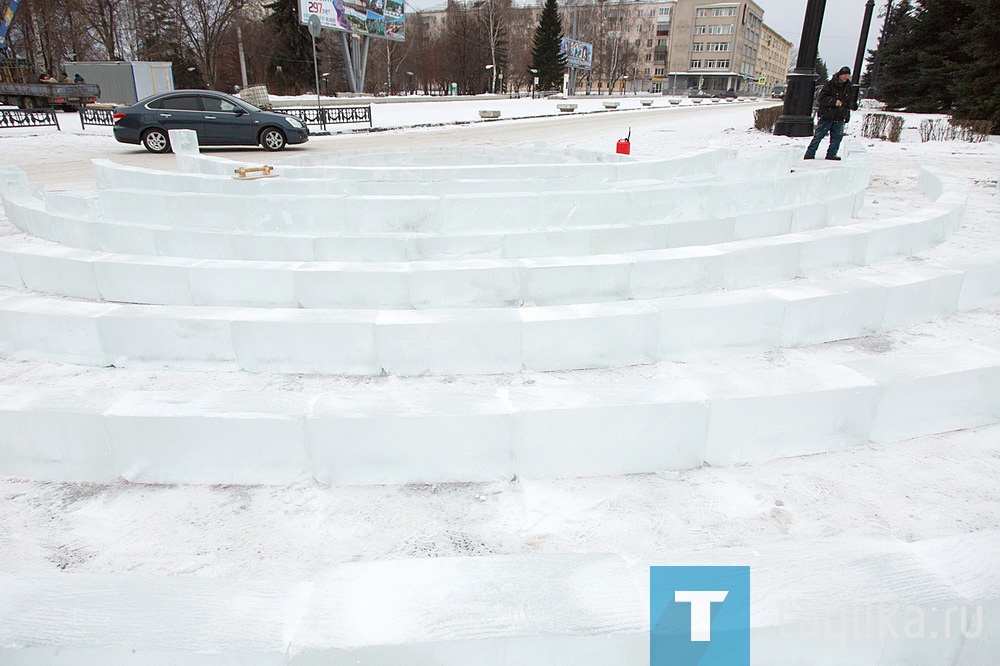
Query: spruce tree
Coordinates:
[890,25]
[822,73]
[921,63]
[292,48]
[977,86]
[546,51]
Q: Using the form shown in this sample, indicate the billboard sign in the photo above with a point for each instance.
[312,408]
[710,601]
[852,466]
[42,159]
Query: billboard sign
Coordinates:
[579,55]
[375,18]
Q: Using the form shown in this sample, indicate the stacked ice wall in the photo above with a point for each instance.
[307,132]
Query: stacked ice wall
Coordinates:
[617,291]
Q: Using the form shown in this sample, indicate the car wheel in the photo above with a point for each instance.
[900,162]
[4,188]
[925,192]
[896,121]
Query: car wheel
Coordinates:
[272,139]
[156,141]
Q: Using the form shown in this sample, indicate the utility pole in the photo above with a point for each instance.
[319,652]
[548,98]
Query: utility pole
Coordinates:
[572,70]
[243,60]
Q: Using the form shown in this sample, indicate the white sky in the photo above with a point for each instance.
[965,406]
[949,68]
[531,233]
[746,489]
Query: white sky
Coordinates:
[838,42]
[841,24]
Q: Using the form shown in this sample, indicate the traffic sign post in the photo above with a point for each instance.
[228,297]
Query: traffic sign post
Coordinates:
[315,30]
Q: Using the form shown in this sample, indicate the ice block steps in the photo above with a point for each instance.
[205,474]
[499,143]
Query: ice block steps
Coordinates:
[555,168]
[426,431]
[213,174]
[55,269]
[492,340]
[73,220]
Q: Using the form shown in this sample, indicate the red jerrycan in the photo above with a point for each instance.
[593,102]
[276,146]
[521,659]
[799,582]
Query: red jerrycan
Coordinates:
[624,147]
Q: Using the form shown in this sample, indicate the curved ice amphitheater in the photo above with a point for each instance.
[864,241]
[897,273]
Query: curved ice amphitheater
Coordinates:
[453,316]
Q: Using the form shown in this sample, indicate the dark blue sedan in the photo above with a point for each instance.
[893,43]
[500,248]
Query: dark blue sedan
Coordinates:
[219,120]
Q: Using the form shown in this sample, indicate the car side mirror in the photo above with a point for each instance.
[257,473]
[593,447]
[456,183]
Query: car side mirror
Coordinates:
[239,111]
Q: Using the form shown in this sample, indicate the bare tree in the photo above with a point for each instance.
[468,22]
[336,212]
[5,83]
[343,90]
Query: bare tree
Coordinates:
[419,55]
[494,24]
[203,24]
[46,32]
[606,26]
[104,19]
[463,43]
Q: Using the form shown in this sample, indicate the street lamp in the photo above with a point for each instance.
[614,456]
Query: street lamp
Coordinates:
[409,83]
[489,83]
[862,46]
[624,84]
[796,117]
[326,83]
[534,81]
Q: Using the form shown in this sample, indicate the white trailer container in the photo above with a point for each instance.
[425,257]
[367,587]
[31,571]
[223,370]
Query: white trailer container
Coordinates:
[124,82]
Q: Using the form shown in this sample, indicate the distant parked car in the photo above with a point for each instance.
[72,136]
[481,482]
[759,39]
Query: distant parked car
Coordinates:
[698,94]
[219,120]
[726,94]
[778,92]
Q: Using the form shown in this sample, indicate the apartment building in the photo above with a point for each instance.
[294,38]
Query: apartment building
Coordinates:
[661,46]
[773,58]
[714,46]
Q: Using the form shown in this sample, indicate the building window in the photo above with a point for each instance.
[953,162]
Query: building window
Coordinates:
[661,42]
[721,29]
[700,30]
[696,64]
[701,13]
[718,46]
[724,11]
[646,71]
[697,46]
[638,42]
[664,11]
[649,43]
[659,71]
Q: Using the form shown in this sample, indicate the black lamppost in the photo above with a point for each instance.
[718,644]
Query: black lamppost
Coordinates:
[796,118]
[859,59]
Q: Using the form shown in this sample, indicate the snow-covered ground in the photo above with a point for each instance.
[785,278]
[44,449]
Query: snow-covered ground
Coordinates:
[939,486]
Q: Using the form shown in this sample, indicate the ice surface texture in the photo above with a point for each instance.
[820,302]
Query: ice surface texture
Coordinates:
[539,609]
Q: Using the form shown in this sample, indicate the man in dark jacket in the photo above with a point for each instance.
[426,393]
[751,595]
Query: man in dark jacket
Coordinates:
[834,111]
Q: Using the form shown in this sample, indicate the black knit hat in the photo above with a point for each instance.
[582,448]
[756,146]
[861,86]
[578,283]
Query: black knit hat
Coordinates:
[844,70]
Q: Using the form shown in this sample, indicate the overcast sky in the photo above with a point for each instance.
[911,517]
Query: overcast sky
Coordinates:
[841,24]
[838,42]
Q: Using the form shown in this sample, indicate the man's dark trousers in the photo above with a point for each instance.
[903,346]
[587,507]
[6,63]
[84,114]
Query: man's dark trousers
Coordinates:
[835,129]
